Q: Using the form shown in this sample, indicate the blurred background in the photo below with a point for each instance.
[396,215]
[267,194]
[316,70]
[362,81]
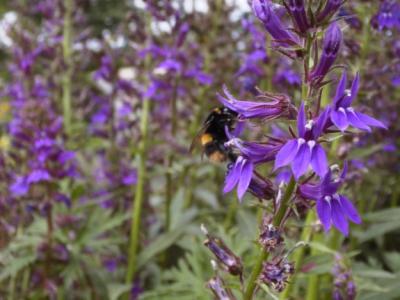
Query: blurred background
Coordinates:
[99,103]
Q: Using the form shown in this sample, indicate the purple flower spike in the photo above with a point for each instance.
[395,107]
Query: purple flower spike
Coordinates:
[332,208]
[298,13]
[329,10]
[277,106]
[331,46]
[305,150]
[343,115]
[264,10]
[240,174]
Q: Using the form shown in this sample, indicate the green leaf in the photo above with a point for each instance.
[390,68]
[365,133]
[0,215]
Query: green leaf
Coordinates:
[377,230]
[161,243]
[116,290]
[16,265]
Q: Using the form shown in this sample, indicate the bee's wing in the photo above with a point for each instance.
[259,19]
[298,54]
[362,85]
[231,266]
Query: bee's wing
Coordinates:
[196,139]
[203,128]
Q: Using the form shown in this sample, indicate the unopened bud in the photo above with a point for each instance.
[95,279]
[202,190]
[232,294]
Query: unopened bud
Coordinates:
[224,255]
[217,286]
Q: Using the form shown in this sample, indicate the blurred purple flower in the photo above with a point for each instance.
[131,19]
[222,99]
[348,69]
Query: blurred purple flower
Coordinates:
[20,186]
[332,208]
[305,150]
[388,16]
[252,63]
[343,115]
[286,75]
[104,72]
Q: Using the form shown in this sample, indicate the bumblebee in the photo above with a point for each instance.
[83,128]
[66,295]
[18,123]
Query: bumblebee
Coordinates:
[212,136]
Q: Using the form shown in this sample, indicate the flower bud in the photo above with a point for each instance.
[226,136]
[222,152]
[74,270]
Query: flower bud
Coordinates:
[217,286]
[298,13]
[329,10]
[264,10]
[224,255]
[331,46]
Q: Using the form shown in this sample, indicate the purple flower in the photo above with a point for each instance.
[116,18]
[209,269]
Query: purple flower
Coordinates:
[330,8]
[252,63]
[240,172]
[388,16]
[277,106]
[256,152]
[264,10]
[239,175]
[343,115]
[38,175]
[286,75]
[20,186]
[182,33]
[298,13]
[331,46]
[332,208]
[305,150]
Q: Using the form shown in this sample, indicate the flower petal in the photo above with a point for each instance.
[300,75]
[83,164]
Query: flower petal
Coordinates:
[356,122]
[301,121]
[370,120]
[340,90]
[349,209]
[324,213]
[245,178]
[286,154]
[318,160]
[354,90]
[338,217]
[301,161]
[321,122]
[233,176]
[339,118]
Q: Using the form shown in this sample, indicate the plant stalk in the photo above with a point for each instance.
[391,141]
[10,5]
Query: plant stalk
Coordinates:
[299,254]
[263,256]
[67,56]
[141,157]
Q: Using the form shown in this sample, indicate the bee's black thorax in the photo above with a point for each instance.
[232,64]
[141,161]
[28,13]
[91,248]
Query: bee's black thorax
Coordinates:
[214,136]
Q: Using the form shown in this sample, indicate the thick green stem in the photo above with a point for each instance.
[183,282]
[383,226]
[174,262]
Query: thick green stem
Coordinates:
[170,159]
[67,56]
[139,193]
[313,281]
[299,254]
[264,254]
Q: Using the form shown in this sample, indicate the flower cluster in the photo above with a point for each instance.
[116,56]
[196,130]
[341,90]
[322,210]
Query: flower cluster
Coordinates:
[303,151]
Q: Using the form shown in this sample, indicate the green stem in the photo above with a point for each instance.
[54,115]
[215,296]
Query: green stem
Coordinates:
[168,192]
[12,287]
[139,193]
[313,281]
[299,254]
[67,56]
[170,158]
[263,256]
